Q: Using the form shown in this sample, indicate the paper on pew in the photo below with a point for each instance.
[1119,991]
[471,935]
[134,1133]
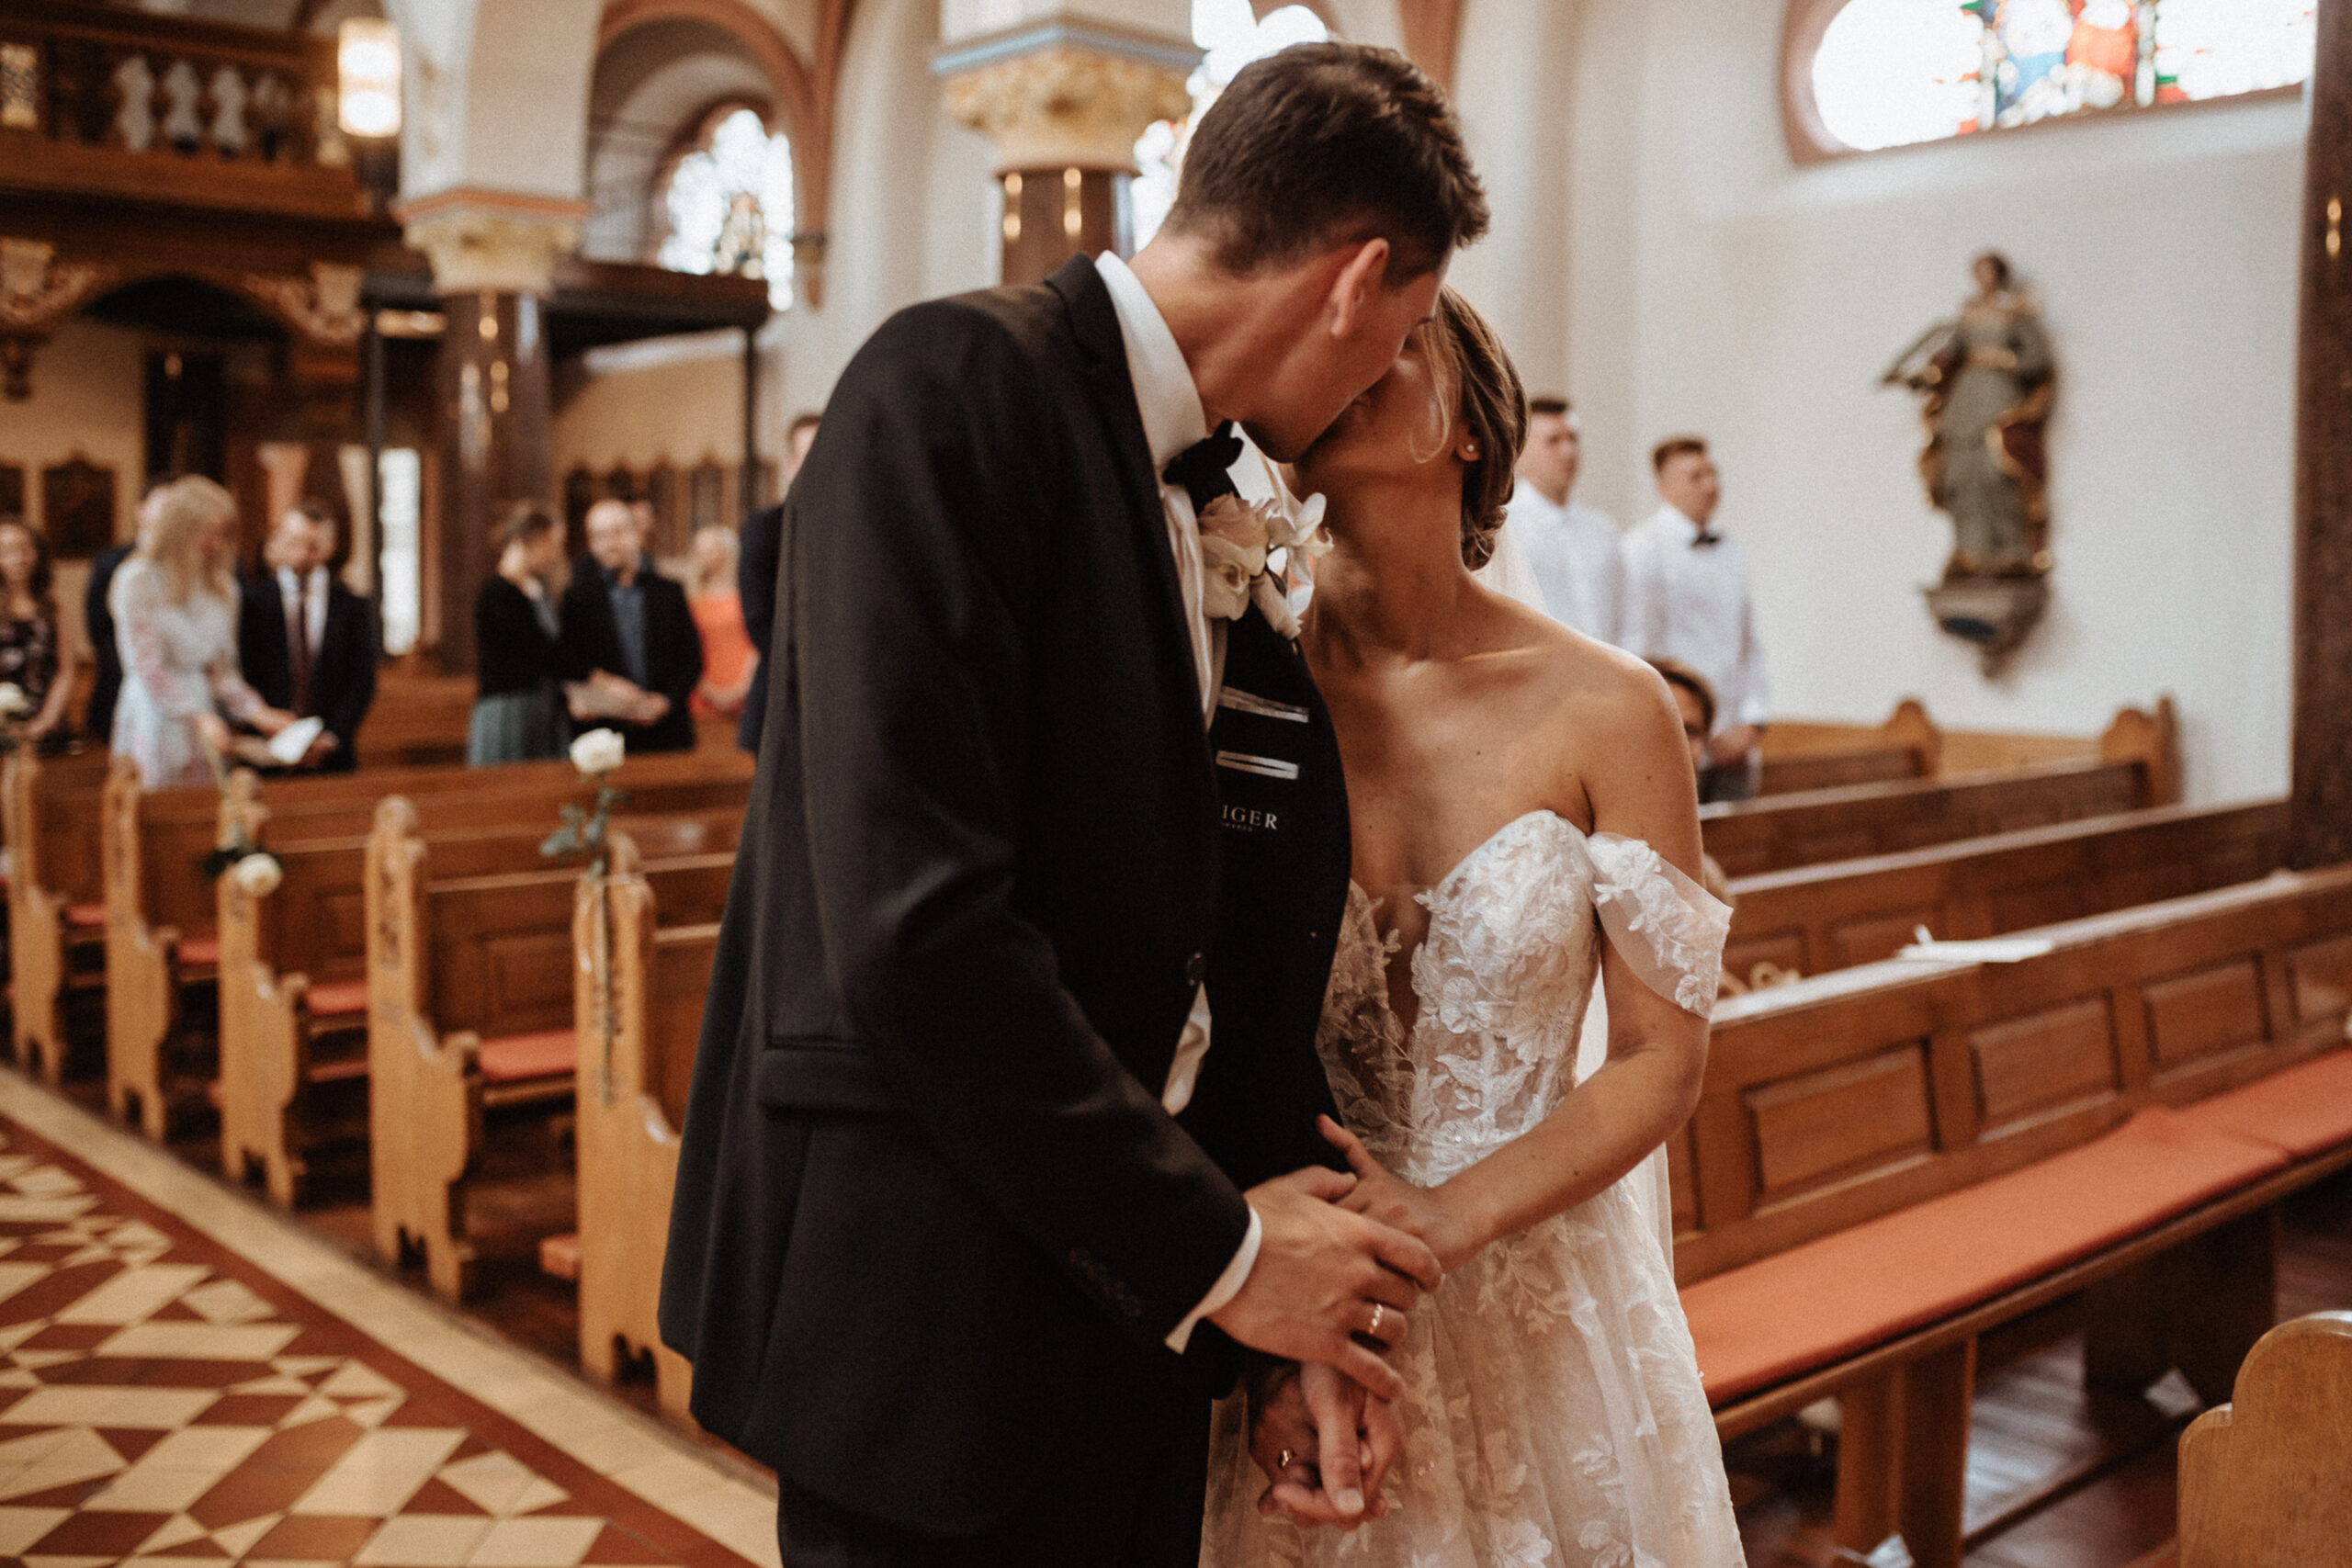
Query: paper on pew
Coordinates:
[1987,949]
[288,744]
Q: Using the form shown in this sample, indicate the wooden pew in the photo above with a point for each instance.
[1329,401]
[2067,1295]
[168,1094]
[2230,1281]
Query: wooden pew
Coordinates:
[56,908]
[2266,1481]
[1891,1159]
[643,985]
[1803,756]
[416,719]
[1815,919]
[293,967]
[471,1004]
[2137,768]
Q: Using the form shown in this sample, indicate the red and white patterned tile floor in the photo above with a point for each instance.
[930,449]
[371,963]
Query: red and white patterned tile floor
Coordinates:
[170,1396]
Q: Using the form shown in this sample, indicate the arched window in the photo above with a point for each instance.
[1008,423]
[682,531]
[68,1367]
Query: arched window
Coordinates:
[1233,36]
[727,206]
[1871,73]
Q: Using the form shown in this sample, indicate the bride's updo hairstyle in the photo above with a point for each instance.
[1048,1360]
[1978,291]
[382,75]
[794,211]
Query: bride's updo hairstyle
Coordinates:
[1477,384]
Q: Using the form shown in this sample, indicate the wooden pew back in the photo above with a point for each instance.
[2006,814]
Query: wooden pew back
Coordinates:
[1812,919]
[2266,1481]
[1850,1094]
[51,808]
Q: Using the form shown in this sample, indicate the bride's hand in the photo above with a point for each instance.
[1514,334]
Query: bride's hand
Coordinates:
[1381,1195]
[1339,1443]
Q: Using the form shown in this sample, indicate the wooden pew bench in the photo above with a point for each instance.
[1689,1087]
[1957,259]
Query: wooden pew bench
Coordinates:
[293,975]
[1890,1161]
[56,896]
[635,1065]
[1815,919]
[471,1004]
[1800,756]
[2266,1481]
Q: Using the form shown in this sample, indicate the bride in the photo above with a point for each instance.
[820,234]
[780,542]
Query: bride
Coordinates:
[1525,841]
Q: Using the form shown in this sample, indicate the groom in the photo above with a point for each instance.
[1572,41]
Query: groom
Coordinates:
[1006,1078]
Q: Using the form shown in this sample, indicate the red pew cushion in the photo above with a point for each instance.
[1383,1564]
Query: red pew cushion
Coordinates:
[338,999]
[87,916]
[2306,1109]
[512,1058]
[1791,1312]
[196,952]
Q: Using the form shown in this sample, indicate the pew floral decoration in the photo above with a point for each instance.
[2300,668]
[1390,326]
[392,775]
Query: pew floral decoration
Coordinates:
[253,870]
[598,755]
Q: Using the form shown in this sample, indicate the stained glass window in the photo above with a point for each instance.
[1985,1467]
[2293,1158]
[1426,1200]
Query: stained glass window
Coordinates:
[1233,36]
[1889,72]
[729,207]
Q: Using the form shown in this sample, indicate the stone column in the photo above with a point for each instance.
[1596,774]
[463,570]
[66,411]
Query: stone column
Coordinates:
[2321,792]
[1064,97]
[494,260]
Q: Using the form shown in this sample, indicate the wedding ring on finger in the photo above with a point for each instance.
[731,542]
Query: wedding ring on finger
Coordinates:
[1283,1460]
[1379,1315]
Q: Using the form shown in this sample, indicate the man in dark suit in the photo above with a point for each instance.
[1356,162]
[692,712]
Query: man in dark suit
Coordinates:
[308,643]
[755,565]
[1007,1074]
[621,616]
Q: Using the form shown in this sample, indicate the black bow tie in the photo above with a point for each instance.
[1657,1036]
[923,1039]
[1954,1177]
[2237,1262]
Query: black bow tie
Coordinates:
[1201,468]
[1704,540]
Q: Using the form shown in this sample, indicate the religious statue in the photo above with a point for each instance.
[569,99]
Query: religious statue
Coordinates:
[1986,380]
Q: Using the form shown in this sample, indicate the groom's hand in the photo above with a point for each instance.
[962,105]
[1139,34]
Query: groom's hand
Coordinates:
[1325,1446]
[1325,1277]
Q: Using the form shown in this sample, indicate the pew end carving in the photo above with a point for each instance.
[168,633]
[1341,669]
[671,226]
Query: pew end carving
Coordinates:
[2266,1481]
[142,962]
[55,919]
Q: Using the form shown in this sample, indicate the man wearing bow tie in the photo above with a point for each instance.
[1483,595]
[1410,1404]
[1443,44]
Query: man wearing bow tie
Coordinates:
[1686,599]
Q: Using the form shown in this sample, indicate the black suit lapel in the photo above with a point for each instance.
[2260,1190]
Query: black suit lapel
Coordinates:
[1095,325]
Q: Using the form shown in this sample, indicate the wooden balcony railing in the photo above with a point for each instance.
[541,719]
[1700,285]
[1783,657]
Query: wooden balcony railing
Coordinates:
[107,101]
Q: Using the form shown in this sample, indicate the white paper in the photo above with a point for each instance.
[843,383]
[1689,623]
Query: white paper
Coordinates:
[290,743]
[1987,950]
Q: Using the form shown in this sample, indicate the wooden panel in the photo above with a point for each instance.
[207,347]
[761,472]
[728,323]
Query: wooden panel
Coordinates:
[2060,1057]
[2323,979]
[1840,1120]
[2201,1014]
[1784,949]
[1878,936]
[681,965]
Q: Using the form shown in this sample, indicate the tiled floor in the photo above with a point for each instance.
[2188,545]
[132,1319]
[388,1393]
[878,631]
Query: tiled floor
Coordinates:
[184,1380]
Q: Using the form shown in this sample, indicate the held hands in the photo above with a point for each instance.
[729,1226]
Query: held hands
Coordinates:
[1398,1203]
[1325,1445]
[1328,1283]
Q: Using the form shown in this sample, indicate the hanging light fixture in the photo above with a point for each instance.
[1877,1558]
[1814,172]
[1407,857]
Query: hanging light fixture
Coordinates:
[367,63]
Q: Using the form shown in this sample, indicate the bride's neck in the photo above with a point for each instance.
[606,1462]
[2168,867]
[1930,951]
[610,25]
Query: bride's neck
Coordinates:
[1394,583]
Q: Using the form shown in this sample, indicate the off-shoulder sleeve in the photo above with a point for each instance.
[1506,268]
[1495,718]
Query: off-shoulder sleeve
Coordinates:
[1669,928]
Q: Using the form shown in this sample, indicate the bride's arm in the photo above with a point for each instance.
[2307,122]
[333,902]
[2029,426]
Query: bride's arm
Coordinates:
[1657,1052]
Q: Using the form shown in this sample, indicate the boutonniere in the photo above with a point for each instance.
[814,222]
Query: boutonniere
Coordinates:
[1247,547]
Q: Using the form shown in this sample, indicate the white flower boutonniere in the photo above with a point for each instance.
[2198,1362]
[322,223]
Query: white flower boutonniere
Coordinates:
[1247,547]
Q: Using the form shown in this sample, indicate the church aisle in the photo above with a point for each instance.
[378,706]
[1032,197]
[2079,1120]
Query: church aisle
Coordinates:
[188,1379]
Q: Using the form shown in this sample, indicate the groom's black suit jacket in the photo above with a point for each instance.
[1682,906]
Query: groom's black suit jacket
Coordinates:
[931,1224]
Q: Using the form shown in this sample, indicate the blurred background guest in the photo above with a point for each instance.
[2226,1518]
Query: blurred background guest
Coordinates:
[32,653]
[308,643]
[756,574]
[728,657]
[520,660]
[1571,548]
[98,719]
[175,610]
[626,622]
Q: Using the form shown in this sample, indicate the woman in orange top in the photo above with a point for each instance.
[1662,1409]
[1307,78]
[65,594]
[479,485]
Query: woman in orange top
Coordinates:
[727,656]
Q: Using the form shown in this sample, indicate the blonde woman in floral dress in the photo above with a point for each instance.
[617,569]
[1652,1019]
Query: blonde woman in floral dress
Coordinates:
[1525,852]
[174,604]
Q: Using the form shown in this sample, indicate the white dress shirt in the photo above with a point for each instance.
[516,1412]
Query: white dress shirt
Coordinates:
[1172,421]
[1689,603]
[1574,551]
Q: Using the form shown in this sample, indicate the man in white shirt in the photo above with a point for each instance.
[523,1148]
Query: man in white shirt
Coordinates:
[1573,550]
[1686,599]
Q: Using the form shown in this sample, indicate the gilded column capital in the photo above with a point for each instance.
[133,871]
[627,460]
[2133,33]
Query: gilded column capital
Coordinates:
[1064,93]
[494,241]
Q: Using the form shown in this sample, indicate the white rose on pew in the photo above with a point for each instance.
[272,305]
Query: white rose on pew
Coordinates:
[599,751]
[14,703]
[258,876]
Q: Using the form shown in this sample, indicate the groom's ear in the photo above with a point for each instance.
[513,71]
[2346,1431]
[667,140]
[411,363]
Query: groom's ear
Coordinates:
[1358,278]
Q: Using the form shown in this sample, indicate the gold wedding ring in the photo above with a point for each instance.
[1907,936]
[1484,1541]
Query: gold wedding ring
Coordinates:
[1283,1460]
[1379,1311]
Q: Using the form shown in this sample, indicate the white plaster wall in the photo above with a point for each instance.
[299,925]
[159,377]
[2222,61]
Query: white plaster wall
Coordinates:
[85,402]
[1714,286]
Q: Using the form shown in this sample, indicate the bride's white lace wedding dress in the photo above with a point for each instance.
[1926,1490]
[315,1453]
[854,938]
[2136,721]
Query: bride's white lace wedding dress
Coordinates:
[1553,1410]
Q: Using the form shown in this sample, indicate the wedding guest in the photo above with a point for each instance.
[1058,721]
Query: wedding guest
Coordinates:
[755,571]
[622,618]
[98,718]
[1687,598]
[728,657]
[1573,550]
[520,662]
[174,611]
[32,655]
[308,642]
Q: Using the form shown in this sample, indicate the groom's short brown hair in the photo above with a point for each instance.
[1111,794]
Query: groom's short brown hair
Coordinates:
[1326,144]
